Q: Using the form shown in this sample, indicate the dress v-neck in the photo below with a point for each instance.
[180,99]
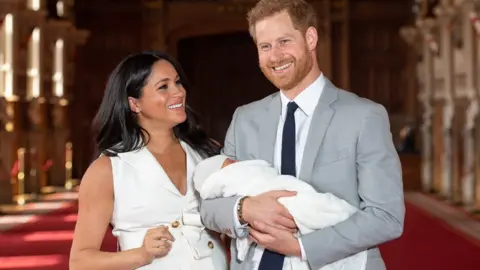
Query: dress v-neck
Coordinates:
[187,172]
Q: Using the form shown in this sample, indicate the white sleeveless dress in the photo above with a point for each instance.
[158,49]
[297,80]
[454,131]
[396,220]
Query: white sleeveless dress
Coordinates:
[144,198]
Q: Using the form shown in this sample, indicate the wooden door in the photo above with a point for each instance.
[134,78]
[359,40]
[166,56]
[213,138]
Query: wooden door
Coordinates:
[224,72]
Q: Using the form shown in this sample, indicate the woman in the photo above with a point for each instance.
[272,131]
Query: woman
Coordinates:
[149,143]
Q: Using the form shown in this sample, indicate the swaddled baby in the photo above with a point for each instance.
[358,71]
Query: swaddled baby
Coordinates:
[219,176]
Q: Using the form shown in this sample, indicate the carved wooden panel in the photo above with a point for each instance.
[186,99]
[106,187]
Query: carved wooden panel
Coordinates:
[438,146]
[458,151]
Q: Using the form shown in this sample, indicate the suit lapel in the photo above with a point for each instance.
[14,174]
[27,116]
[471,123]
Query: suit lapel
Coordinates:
[321,120]
[268,129]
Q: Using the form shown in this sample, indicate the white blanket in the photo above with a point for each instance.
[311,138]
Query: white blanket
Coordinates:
[311,210]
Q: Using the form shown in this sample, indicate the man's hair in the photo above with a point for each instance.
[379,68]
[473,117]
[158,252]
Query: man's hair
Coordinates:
[301,13]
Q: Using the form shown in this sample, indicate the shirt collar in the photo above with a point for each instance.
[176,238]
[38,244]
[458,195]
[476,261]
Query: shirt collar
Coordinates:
[307,100]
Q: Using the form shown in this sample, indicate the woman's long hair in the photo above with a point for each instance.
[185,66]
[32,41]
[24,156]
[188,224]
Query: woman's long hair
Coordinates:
[115,125]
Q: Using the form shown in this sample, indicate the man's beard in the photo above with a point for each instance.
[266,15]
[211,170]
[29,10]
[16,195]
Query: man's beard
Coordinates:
[301,67]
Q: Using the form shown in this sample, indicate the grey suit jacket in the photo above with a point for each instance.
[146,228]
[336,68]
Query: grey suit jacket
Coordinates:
[349,153]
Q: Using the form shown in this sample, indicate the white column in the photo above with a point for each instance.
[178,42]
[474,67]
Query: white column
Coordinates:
[475,13]
[425,97]
[475,20]
[445,14]
[468,181]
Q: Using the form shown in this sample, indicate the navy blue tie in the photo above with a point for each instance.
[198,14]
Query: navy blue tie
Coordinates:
[272,260]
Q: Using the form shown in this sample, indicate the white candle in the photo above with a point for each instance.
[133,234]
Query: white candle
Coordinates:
[34,4]
[8,64]
[34,62]
[58,68]
[60,8]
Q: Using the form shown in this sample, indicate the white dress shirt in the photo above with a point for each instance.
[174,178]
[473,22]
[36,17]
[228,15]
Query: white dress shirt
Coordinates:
[307,101]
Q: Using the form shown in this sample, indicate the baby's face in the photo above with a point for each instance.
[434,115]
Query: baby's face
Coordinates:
[228,162]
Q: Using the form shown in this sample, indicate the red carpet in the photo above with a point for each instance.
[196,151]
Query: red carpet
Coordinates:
[427,243]
[44,242]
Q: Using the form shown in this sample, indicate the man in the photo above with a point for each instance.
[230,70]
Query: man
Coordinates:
[332,139]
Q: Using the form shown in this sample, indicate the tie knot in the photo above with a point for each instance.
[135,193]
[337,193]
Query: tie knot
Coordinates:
[291,108]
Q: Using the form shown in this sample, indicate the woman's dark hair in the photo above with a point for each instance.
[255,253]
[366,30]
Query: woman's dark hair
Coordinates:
[115,125]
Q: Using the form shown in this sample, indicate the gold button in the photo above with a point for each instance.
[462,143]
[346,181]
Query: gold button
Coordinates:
[175,224]
[210,244]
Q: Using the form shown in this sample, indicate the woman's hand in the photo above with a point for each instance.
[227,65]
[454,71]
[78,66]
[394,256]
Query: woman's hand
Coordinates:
[157,243]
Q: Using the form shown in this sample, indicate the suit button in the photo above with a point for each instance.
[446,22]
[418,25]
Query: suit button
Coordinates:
[210,244]
[175,224]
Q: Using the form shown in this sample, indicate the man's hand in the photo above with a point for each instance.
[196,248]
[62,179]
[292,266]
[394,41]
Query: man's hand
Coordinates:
[266,208]
[276,240]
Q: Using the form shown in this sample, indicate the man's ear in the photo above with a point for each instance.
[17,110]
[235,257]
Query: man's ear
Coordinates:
[311,37]
[134,107]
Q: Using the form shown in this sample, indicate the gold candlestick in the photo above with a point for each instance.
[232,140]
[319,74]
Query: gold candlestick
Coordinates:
[69,182]
[21,198]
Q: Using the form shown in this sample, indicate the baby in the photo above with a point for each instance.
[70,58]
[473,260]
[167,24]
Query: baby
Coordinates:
[219,176]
